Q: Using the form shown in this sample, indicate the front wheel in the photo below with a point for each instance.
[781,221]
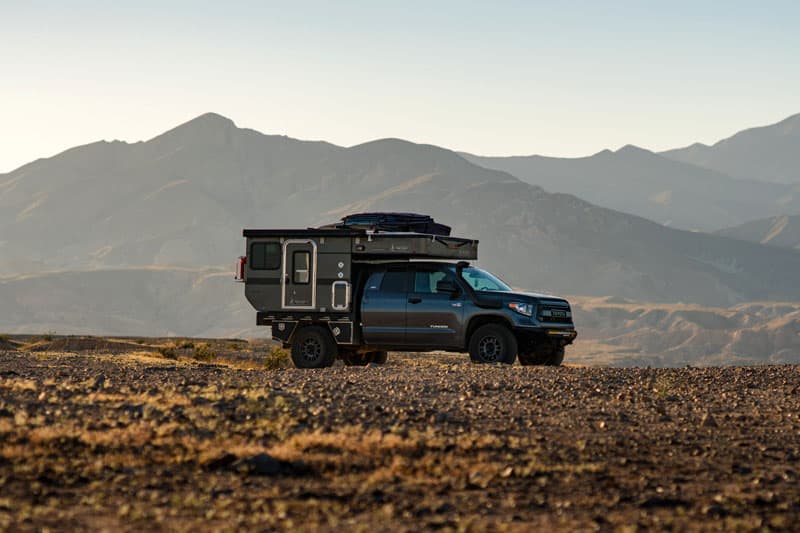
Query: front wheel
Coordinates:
[493,343]
[313,347]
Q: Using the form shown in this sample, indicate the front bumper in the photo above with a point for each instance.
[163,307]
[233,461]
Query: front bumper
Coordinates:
[564,334]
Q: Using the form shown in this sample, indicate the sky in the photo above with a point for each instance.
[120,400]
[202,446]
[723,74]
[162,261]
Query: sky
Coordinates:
[561,78]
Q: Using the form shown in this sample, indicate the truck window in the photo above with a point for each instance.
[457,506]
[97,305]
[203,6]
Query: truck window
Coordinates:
[394,281]
[265,256]
[425,281]
[480,280]
[300,267]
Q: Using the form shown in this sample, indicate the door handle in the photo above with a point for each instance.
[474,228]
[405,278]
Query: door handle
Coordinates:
[414,300]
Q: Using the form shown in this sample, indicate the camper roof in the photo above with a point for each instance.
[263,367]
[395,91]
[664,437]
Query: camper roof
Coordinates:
[310,232]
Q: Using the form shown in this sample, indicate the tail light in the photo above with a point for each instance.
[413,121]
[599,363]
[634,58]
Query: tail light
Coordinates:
[240,264]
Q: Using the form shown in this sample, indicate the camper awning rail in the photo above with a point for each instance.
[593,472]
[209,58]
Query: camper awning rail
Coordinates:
[311,232]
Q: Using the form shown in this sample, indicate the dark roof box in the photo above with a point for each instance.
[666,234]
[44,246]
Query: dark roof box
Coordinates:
[395,222]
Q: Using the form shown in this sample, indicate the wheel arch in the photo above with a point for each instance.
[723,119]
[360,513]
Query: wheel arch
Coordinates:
[483,319]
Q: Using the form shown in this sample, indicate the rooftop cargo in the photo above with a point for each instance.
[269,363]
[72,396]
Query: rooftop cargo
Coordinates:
[397,222]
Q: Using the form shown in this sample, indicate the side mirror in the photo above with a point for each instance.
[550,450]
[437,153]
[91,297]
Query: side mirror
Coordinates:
[447,286]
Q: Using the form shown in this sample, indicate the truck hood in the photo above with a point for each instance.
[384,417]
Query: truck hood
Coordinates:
[497,299]
[525,296]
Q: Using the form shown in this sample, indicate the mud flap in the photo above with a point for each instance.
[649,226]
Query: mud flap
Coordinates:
[342,331]
[282,330]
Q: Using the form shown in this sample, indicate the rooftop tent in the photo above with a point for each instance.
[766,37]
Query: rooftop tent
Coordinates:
[393,222]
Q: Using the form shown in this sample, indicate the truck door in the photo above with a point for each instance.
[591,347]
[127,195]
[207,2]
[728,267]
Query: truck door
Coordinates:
[299,282]
[434,318]
[383,307]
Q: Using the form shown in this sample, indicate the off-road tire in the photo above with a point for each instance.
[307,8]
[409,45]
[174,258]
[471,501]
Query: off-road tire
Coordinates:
[547,355]
[493,343]
[380,358]
[313,347]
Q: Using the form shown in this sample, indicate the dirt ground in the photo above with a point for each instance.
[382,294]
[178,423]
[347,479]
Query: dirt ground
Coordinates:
[145,440]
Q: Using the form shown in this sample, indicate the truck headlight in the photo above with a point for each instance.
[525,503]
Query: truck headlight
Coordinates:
[521,308]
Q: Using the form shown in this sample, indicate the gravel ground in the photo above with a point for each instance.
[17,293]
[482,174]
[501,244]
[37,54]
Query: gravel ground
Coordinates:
[137,442]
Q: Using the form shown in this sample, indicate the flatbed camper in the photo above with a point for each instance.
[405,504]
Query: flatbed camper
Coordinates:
[355,289]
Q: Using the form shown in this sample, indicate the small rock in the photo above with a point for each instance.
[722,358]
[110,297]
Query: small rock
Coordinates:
[221,461]
[440,418]
[98,383]
[21,417]
[263,464]
[708,421]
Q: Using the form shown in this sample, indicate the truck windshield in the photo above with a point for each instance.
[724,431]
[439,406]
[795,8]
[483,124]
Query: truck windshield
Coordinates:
[480,280]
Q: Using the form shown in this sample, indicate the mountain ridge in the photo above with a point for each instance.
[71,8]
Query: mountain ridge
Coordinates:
[769,153]
[641,182]
[181,200]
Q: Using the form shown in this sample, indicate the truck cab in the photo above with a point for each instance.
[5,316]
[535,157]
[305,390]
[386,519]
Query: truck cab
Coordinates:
[426,306]
[350,292]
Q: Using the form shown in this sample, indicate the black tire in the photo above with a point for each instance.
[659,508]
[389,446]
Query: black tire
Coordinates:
[313,347]
[493,343]
[556,357]
[380,358]
[546,354]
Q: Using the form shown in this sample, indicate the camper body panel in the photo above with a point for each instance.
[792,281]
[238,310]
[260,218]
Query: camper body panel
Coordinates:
[299,272]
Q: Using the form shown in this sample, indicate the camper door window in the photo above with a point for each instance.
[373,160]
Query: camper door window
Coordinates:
[300,265]
[265,256]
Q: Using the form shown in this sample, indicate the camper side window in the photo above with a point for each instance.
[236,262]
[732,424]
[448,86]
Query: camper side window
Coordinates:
[265,256]
[300,266]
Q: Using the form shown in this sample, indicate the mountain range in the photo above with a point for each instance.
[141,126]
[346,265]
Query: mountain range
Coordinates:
[676,188]
[767,153]
[159,222]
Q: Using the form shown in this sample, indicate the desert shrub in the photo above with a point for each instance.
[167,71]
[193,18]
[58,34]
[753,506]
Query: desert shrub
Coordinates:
[664,385]
[276,358]
[4,337]
[235,346]
[48,335]
[168,352]
[186,344]
[204,352]
[139,341]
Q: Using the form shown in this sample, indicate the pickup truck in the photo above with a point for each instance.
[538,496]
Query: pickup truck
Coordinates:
[426,306]
[393,281]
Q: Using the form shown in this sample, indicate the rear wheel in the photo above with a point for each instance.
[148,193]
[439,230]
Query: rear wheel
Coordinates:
[493,343]
[313,347]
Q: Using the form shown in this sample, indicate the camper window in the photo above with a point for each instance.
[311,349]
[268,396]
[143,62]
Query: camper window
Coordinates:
[265,256]
[300,262]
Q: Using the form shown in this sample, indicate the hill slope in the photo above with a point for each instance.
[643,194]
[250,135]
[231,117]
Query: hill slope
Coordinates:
[778,231]
[643,183]
[768,153]
[181,199]
[619,333]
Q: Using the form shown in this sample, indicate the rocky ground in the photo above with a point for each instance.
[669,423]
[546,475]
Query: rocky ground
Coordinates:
[157,439]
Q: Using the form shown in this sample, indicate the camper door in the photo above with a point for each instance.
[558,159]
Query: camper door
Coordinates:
[299,283]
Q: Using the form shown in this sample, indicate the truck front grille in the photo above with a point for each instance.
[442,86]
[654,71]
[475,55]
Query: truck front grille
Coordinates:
[555,313]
